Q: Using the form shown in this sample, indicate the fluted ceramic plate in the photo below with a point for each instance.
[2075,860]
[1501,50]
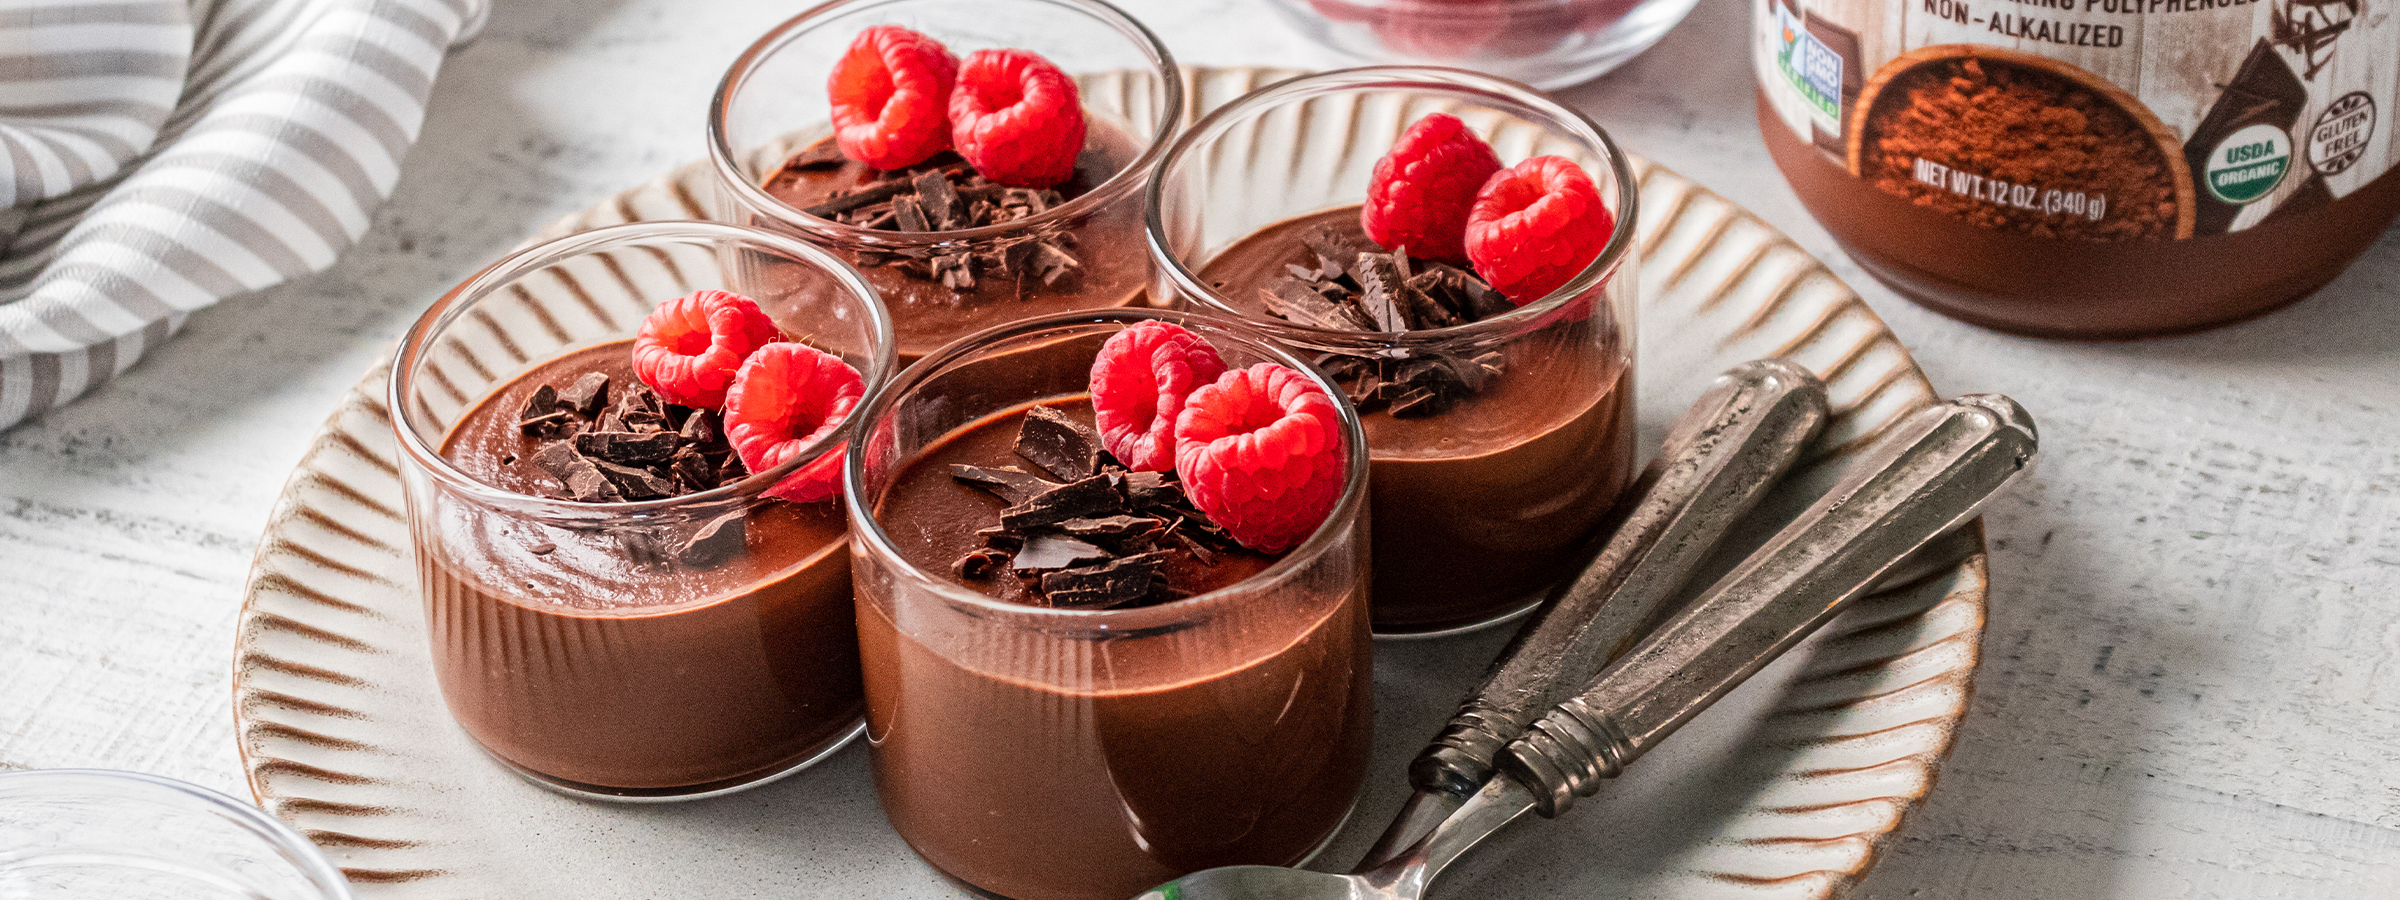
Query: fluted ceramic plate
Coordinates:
[1785,790]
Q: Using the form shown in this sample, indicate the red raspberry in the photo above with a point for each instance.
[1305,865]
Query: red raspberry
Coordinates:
[1260,451]
[787,397]
[1535,226]
[1139,383]
[1422,190]
[891,97]
[689,347]
[1017,118]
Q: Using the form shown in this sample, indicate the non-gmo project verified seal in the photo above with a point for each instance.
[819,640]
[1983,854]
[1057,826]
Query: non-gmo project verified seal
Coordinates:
[1812,68]
[2248,164]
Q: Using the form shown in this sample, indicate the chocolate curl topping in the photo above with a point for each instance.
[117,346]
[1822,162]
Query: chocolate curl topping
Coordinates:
[1355,286]
[1101,539]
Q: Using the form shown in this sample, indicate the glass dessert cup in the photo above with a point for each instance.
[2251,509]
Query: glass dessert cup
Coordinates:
[772,106]
[1044,753]
[628,650]
[1549,44]
[1480,506]
[71,834]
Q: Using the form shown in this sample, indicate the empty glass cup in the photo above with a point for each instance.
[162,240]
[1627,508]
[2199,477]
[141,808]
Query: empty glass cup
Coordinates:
[79,834]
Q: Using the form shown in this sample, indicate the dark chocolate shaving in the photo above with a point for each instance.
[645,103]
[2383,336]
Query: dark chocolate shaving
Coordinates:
[1013,485]
[636,448]
[945,194]
[1099,541]
[629,448]
[939,200]
[1382,279]
[1060,445]
[980,564]
[1293,301]
[587,484]
[1048,551]
[636,484]
[844,203]
[1144,490]
[1094,496]
[542,405]
[1331,250]
[692,469]
[702,426]
[1116,526]
[586,395]
[1356,286]
[555,424]
[1110,584]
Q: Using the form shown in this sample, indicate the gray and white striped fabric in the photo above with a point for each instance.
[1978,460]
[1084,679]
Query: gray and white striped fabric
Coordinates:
[157,156]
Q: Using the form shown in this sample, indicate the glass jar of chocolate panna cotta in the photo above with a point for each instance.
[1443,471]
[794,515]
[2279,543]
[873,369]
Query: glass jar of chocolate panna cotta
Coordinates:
[1084,678]
[1498,407]
[623,602]
[955,245]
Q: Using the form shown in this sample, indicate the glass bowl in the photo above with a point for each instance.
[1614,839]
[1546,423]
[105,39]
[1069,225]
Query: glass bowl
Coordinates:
[772,105]
[1044,753]
[652,649]
[1478,507]
[1545,43]
[74,834]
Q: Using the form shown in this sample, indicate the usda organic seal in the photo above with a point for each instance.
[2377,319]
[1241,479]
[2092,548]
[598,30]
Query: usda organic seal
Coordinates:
[2248,164]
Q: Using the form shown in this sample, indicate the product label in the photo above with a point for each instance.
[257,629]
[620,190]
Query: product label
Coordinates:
[2248,164]
[2100,120]
[1811,69]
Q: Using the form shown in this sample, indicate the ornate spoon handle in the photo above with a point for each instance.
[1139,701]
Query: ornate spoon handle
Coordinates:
[1929,476]
[1720,457]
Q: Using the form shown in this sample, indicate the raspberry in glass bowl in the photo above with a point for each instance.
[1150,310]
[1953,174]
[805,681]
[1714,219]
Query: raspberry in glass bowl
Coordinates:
[1102,651]
[621,453]
[980,161]
[1458,261]
[1545,43]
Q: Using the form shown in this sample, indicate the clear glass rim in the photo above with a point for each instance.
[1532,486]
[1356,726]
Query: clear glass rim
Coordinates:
[1119,185]
[309,860]
[1424,79]
[508,269]
[866,532]
[1436,9]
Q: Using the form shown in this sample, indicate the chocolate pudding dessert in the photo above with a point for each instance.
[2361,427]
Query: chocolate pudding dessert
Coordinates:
[1141,754]
[1491,467]
[1092,262]
[562,651]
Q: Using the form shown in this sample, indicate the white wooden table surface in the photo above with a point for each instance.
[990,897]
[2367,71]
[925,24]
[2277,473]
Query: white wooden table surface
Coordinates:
[2192,669]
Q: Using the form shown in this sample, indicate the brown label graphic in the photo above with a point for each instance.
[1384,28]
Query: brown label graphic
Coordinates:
[2020,143]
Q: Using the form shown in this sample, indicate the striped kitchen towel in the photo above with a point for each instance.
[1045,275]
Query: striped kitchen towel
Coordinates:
[157,156]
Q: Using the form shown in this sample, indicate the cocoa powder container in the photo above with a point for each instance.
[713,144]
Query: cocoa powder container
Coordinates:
[2097,169]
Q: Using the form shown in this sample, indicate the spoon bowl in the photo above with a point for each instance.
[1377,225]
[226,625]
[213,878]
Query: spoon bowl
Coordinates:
[1263,883]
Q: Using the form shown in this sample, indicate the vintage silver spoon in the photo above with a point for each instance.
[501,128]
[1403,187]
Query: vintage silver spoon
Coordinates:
[1718,460]
[1932,473]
